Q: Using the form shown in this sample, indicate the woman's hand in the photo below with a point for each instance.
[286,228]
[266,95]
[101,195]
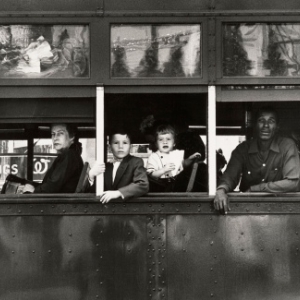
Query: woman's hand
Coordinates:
[97,169]
[196,155]
[28,188]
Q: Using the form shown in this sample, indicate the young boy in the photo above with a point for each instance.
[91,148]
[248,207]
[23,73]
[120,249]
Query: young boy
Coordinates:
[124,178]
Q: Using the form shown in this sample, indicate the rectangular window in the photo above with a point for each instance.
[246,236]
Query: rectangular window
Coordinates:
[13,159]
[155,51]
[261,49]
[44,51]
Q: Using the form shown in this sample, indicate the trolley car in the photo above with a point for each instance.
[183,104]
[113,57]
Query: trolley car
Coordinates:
[208,65]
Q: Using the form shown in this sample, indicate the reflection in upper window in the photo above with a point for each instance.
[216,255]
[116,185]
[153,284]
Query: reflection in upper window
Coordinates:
[44,51]
[155,51]
[261,50]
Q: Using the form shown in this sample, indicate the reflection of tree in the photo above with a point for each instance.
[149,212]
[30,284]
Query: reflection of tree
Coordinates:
[119,67]
[277,66]
[235,59]
[173,68]
[148,64]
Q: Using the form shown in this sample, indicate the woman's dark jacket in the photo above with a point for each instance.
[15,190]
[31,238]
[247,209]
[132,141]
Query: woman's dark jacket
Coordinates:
[64,173]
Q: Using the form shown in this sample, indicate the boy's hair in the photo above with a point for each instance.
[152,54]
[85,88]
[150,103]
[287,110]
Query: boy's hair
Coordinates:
[164,129]
[121,131]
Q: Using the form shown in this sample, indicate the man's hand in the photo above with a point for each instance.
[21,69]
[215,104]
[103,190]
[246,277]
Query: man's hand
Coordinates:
[110,195]
[97,169]
[221,201]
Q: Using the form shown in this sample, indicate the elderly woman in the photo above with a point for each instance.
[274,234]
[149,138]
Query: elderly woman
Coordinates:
[64,173]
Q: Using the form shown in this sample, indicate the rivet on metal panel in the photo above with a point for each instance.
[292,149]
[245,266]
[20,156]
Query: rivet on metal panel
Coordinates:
[162,205]
[177,209]
[70,251]
[13,235]
[199,209]
[85,211]
[211,269]
[258,205]
[296,232]
[53,206]
[12,252]
[150,295]
[113,210]
[70,234]
[97,270]
[277,249]
[163,295]
[188,205]
[153,210]
[211,243]
[184,250]
[247,209]
[216,281]
[33,251]
[19,211]
[159,210]
[97,245]
[101,282]
[124,205]
[210,218]
[297,249]
[149,205]
[49,251]
[30,206]
[261,249]
[64,211]
[42,211]
[199,205]
[97,296]
[211,294]
[150,256]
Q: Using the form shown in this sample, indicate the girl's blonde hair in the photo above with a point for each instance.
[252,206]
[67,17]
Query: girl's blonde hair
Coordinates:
[164,129]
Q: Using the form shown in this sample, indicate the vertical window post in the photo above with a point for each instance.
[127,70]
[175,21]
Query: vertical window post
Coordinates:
[100,135]
[211,138]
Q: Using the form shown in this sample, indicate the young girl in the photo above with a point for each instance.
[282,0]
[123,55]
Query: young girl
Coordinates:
[166,163]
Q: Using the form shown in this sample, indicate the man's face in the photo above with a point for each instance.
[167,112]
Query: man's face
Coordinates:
[266,126]
[60,138]
[120,145]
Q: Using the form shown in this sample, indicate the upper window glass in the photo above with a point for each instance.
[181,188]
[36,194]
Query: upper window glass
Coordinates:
[261,49]
[155,51]
[44,51]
